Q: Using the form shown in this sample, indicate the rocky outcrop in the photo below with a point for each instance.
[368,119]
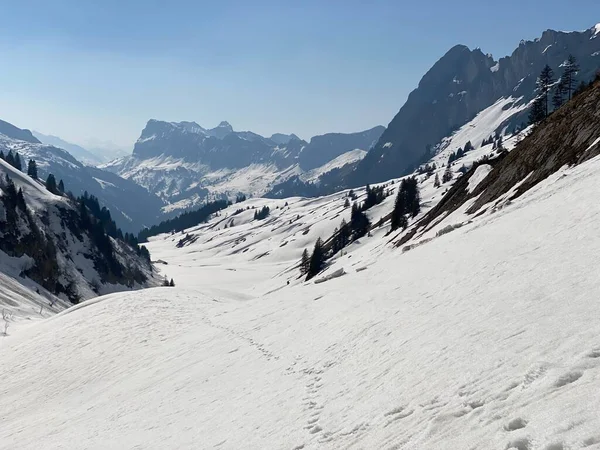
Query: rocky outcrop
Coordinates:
[569,136]
[461,84]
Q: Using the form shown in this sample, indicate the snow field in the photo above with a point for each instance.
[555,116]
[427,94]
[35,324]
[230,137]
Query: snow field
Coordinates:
[483,338]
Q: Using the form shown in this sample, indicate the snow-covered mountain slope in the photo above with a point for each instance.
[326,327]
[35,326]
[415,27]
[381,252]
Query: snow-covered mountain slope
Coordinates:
[48,245]
[80,153]
[186,164]
[350,157]
[460,85]
[482,338]
[132,206]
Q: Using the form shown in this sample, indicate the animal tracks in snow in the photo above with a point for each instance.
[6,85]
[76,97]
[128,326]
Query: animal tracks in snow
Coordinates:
[398,413]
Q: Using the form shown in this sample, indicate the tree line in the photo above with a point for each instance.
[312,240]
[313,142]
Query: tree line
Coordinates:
[407,204]
[184,220]
[95,219]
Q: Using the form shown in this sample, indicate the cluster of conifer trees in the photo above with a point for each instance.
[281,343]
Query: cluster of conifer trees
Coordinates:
[14,159]
[184,220]
[407,203]
[93,218]
[564,90]
[262,213]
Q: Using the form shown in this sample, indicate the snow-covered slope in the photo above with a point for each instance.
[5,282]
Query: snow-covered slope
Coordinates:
[350,157]
[47,247]
[132,206]
[482,338]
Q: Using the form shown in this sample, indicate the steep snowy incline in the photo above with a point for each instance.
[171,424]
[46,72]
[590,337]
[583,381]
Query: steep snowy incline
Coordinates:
[483,338]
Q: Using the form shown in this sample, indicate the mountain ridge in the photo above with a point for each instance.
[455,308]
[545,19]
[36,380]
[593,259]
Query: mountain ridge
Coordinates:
[184,163]
[461,84]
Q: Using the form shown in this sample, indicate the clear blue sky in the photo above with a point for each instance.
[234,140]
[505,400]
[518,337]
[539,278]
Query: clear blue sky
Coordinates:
[84,69]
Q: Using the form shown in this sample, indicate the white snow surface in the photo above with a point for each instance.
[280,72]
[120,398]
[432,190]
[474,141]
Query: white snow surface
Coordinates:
[483,338]
[345,158]
[478,176]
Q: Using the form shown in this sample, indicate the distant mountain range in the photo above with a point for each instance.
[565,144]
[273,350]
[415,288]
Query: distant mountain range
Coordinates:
[131,205]
[83,155]
[185,164]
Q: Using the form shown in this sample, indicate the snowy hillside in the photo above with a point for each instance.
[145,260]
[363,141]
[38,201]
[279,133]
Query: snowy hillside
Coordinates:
[48,247]
[482,338]
[131,205]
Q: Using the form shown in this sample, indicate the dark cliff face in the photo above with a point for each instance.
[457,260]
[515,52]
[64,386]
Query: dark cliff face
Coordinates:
[461,84]
[327,147]
[569,136]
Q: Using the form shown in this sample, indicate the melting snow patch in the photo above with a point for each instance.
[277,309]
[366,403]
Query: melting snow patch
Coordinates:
[387,145]
[593,144]
[480,173]
[546,49]
[338,273]
[596,30]
[495,67]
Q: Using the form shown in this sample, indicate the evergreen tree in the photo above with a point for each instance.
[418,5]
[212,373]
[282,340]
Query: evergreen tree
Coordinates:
[10,158]
[408,201]
[317,259]
[346,203]
[468,147]
[413,197]
[359,222]
[398,219]
[344,233]
[32,169]
[171,283]
[544,83]
[536,113]
[304,263]
[2,155]
[144,253]
[17,163]
[500,144]
[21,200]
[61,187]
[51,184]
[447,174]
[84,218]
[559,94]
[569,73]
[436,182]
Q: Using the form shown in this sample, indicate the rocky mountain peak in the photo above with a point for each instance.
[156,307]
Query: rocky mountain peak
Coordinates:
[460,85]
[221,130]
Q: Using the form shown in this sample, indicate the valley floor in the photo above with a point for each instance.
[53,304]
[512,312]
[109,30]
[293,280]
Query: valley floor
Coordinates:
[484,338]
